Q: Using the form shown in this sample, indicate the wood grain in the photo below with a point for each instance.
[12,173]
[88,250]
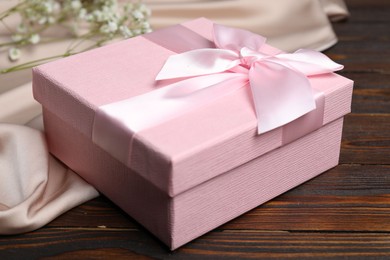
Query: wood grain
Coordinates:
[366,139]
[103,244]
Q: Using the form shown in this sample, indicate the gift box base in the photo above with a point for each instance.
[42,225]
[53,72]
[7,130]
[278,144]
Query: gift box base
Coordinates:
[180,219]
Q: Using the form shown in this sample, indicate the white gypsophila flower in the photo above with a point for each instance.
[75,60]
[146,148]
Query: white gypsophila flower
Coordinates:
[148,30]
[112,26]
[138,15]
[109,14]
[104,29]
[125,31]
[108,2]
[105,16]
[48,6]
[82,14]
[145,10]
[97,15]
[145,25]
[30,14]
[76,4]
[102,19]
[107,9]
[34,38]
[89,17]
[42,20]
[56,7]
[128,7]
[137,31]
[109,28]
[14,54]
[39,11]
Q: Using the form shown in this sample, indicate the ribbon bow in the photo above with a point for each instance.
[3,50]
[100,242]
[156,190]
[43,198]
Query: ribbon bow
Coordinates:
[280,88]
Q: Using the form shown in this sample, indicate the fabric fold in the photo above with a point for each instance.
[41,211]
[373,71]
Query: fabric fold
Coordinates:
[289,25]
[18,105]
[336,10]
[35,187]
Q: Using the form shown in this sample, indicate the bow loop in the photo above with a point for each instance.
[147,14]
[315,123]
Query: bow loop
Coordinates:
[235,39]
[308,62]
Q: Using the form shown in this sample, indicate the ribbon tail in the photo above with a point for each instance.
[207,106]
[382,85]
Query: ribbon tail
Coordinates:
[116,123]
[280,94]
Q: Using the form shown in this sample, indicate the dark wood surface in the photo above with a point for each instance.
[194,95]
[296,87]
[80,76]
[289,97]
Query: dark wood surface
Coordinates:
[344,213]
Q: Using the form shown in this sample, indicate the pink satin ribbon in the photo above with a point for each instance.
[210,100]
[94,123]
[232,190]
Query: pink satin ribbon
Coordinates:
[279,84]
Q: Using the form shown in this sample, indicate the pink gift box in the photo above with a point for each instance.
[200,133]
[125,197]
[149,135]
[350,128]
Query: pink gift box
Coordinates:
[189,174]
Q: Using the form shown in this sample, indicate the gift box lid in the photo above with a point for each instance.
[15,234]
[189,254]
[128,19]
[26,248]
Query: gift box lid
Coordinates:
[181,152]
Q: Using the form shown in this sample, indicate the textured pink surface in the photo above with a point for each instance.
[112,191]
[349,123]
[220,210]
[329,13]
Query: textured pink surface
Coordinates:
[196,211]
[184,152]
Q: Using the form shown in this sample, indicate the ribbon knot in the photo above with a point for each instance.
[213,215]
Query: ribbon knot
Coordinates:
[279,81]
[248,57]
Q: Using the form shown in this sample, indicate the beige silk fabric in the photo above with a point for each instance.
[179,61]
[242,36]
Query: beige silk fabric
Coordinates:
[34,186]
[288,25]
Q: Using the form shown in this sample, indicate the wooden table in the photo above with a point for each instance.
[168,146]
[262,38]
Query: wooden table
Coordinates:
[342,213]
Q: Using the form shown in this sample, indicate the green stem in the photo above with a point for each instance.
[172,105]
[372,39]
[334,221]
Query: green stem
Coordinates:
[8,44]
[24,41]
[45,40]
[81,39]
[11,10]
[7,27]
[31,64]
